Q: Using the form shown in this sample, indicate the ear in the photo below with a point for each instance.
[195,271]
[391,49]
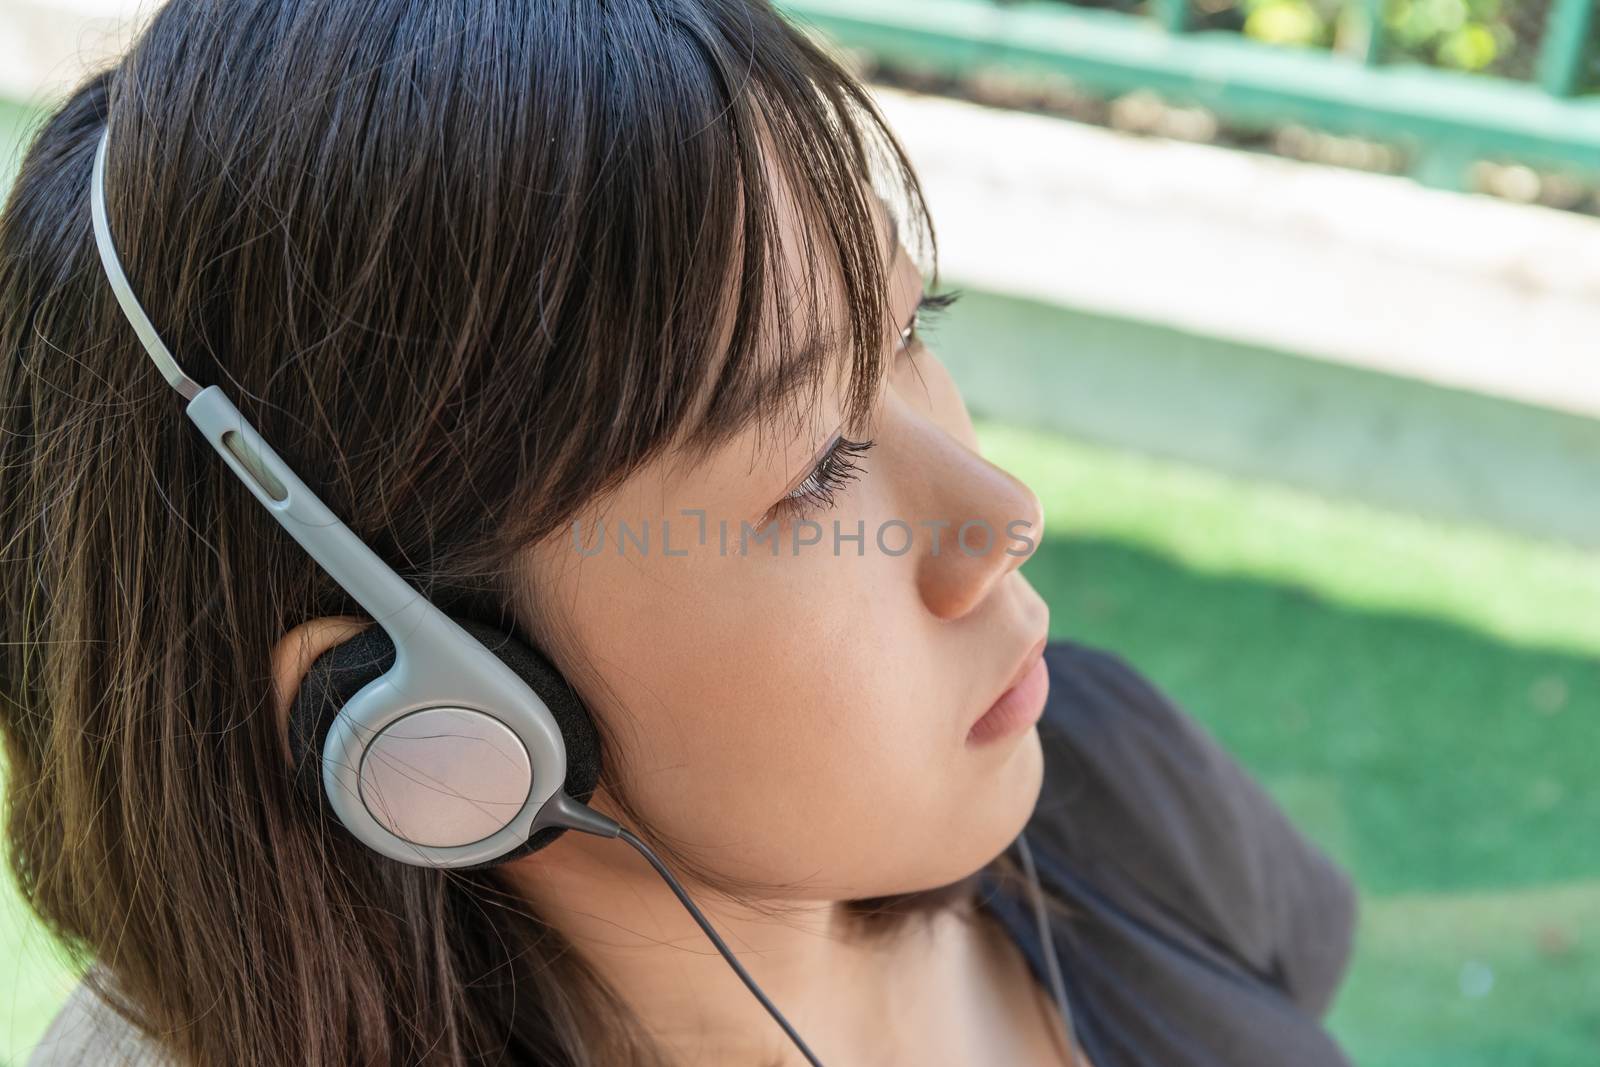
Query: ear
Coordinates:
[356,651]
[293,656]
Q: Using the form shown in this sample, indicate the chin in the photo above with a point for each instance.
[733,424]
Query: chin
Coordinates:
[998,806]
[1016,788]
[986,811]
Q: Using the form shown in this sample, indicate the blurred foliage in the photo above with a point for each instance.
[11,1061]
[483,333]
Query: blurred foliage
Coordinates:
[1498,37]
[1493,36]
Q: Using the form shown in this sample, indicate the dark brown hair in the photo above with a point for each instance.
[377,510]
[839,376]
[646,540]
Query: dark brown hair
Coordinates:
[463,266]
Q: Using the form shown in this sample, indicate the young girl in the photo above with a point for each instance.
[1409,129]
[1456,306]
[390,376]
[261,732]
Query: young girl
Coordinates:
[597,322]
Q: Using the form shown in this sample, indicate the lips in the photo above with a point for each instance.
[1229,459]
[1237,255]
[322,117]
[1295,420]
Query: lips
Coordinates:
[1028,660]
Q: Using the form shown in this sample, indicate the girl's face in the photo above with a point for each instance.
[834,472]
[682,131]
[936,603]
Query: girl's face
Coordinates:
[802,716]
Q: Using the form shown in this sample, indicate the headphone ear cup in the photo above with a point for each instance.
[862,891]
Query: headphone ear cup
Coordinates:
[343,670]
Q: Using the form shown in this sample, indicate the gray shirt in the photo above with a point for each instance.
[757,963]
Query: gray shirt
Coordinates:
[1208,932]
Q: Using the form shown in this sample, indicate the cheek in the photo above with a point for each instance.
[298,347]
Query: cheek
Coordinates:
[779,717]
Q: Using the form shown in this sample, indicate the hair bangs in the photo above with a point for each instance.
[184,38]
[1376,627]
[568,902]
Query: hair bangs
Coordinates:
[809,146]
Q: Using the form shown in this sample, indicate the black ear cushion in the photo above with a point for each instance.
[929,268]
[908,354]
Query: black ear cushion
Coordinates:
[341,672]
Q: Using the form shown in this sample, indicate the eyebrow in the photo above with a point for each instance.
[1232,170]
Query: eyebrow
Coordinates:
[741,402]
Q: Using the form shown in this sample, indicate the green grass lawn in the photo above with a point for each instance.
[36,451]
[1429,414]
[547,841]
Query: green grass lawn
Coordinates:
[1424,699]
[16,121]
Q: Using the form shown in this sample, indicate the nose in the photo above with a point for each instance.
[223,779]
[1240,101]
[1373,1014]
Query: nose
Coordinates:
[982,524]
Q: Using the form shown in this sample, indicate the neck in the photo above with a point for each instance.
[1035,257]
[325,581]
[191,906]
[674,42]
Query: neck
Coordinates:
[847,994]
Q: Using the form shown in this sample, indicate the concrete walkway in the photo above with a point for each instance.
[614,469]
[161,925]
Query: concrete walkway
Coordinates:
[1361,269]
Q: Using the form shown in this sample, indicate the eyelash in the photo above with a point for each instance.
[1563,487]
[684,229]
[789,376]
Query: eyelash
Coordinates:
[837,468]
[929,308]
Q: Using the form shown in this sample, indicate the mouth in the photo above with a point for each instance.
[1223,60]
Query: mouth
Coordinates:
[1020,704]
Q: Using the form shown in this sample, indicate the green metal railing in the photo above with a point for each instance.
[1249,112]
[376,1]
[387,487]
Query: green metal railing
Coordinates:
[1444,120]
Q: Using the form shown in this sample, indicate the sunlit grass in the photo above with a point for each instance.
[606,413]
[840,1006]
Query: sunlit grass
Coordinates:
[33,978]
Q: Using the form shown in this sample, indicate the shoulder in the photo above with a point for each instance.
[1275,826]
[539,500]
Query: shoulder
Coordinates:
[88,1030]
[1143,802]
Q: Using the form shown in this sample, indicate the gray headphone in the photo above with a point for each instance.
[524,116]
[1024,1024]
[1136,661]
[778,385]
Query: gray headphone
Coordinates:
[449,757]
[442,743]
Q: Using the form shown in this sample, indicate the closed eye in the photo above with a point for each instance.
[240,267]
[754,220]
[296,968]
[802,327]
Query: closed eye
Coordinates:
[837,467]
[822,484]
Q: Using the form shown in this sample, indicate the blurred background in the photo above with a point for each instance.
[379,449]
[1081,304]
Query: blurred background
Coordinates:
[1290,312]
